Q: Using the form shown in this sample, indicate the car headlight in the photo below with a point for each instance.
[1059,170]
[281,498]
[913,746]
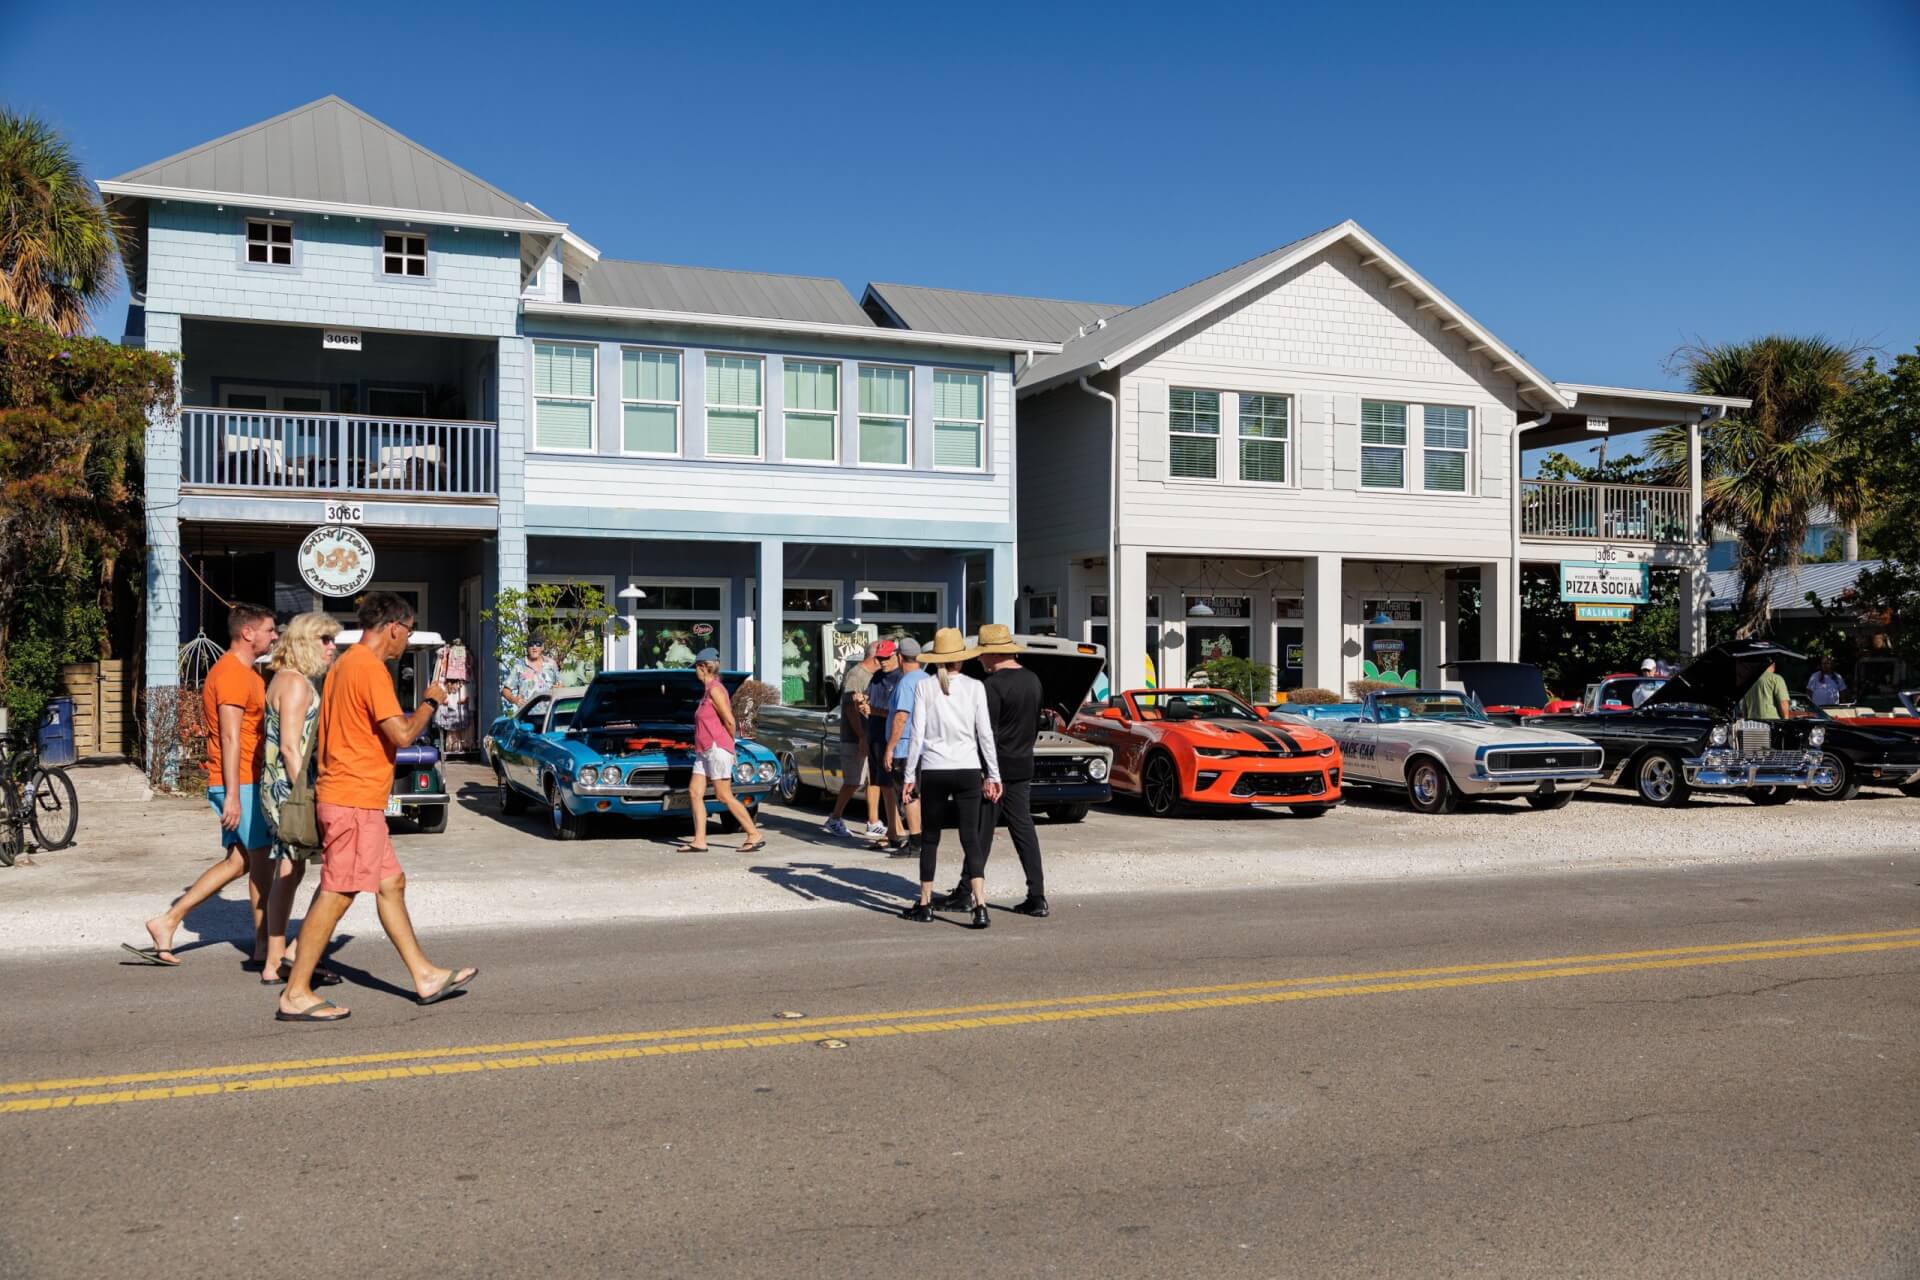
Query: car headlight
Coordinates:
[1215,753]
[1818,737]
[769,771]
[1324,751]
[1097,769]
[1719,735]
[610,775]
[743,773]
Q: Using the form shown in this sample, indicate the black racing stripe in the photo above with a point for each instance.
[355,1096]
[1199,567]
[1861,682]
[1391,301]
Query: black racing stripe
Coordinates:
[1272,737]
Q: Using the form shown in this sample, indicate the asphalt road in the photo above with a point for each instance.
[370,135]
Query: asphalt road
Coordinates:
[1372,1083]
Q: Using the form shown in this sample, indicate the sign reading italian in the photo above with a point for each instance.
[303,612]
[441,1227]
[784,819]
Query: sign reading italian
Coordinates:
[336,560]
[1588,582]
[1603,613]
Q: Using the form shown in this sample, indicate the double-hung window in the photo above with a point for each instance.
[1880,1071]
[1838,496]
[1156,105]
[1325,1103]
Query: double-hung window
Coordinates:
[1263,439]
[650,402]
[886,415]
[563,396]
[1193,434]
[733,406]
[959,421]
[813,410]
[1445,448]
[269,243]
[403,253]
[1383,445]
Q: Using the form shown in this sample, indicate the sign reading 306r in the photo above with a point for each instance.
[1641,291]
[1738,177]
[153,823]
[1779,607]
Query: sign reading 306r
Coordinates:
[1583,582]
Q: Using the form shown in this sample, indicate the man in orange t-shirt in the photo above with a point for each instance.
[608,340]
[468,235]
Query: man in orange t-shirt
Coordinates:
[361,729]
[233,700]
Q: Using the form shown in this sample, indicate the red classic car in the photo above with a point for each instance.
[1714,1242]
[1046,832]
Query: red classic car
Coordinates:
[1205,746]
[1508,688]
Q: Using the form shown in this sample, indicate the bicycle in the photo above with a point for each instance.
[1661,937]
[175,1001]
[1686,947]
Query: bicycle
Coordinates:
[34,797]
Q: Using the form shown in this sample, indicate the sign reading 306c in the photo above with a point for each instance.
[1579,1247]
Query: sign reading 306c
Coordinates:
[336,560]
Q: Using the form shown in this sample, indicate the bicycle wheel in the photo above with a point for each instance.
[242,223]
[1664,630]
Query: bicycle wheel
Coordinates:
[12,837]
[53,808]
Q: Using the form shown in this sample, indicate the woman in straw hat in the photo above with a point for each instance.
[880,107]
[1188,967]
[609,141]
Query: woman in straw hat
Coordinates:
[952,740]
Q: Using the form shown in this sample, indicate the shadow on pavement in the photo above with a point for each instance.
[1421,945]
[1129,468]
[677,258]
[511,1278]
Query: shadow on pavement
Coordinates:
[867,888]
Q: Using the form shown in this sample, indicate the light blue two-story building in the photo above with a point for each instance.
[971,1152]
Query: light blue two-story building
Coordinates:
[369,332]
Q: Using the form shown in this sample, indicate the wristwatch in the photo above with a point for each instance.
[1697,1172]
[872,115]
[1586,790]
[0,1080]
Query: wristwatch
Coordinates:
[434,702]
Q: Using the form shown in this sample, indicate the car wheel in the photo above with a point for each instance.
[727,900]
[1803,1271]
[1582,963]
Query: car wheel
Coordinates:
[1845,785]
[1558,800]
[1661,779]
[1311,810]
[1160,785]
[1429,789]
[1771,795]
[789,787]
[511,801]
[565,825]
[1068,813]
[432,821]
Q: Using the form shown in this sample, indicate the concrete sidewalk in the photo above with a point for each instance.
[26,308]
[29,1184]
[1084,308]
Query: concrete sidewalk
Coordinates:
[136,851]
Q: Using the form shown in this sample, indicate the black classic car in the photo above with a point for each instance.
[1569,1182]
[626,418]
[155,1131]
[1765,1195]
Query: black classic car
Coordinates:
[1859,752]
[1689,735]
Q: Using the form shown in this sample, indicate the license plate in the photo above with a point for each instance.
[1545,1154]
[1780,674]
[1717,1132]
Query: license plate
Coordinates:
[676,800]
[393,806]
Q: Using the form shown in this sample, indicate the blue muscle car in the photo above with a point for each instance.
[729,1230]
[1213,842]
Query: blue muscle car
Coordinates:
[622,747]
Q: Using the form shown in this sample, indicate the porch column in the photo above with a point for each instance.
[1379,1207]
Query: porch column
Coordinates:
[1326,663]
[1003,588]
[1700,531]
[512,474]
[1499,610]
[163,554]
[1450,636]
[767,638]
[1127,627]
[1693,611]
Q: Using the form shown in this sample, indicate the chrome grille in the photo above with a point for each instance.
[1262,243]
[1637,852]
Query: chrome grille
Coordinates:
[1546,758]
[1752,738]
[1280,784]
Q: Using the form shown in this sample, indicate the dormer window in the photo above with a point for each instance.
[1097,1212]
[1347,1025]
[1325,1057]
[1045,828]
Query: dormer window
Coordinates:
[269,243]
[404,253]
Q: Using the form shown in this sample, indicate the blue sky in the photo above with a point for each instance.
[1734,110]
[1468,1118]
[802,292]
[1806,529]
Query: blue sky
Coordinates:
[1594,183]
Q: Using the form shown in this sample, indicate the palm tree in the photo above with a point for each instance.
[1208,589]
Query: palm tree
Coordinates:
[1765,469]
[58,243]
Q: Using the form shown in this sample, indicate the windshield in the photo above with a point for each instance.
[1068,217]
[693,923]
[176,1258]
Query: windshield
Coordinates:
[1629,691]
[1390,707]
[1802,705]
[1190,705]
[563,712]
[640,699]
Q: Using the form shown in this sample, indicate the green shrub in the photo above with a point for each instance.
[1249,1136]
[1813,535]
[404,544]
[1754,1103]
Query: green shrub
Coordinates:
[1250,680]
[1312,697]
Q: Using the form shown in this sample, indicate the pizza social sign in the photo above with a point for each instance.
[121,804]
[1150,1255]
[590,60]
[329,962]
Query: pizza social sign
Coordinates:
[1583,582]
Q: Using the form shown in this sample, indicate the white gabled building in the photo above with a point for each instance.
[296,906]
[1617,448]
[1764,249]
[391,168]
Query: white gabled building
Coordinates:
[1303,459]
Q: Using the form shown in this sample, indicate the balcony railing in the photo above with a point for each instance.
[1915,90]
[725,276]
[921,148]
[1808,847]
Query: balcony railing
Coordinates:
[1578,511]
[338,453]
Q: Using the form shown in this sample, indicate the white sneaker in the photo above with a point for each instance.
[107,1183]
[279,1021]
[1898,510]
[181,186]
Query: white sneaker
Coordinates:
[876,831]
[835,827]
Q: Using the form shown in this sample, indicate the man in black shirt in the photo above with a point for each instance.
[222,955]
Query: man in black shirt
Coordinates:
[1013,705]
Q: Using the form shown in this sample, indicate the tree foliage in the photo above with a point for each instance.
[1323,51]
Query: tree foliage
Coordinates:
[58,244]
[1571,653]
[1880,420]
[1251,681]
[569,619]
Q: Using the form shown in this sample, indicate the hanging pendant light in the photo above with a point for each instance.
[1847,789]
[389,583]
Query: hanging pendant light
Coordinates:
[1201,610]
[865,596]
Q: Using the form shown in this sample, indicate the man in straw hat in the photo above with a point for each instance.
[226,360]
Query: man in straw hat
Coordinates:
[951,748]
[1014,698]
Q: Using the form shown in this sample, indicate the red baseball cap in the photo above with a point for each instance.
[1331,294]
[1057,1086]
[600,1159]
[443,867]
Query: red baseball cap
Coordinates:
[885,649]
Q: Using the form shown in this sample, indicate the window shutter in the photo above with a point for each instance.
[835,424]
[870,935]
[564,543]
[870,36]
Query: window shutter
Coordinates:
[1151,449]
[1312,409]
[1346,442]
[1495,442]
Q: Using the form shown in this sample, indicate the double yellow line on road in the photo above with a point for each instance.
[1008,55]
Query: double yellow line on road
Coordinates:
[406,1064]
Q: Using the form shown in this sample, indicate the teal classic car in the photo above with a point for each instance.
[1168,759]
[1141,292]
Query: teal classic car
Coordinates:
[620,748]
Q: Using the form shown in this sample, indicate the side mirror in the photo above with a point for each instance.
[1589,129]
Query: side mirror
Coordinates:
[1262,713]
[1112,713]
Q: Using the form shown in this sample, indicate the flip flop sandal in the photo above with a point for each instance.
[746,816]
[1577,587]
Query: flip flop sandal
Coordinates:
[312,1013]
[453,983]
[151,955]
[321,978]
[681,846]
[752,847]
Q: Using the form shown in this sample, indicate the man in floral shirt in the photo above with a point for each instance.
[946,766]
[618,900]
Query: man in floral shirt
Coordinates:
[537,674]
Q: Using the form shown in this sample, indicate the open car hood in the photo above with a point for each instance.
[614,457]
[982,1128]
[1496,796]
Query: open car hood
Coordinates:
[1721,676]
[1067,674]
[1501,684]
[644,699]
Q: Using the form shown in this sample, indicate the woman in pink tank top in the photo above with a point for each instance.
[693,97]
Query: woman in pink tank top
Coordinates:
[713,757]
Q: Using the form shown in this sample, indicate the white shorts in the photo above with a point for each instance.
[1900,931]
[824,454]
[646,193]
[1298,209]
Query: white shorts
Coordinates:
[714,763]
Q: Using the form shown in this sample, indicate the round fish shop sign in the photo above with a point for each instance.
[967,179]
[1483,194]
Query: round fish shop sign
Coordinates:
[337,560]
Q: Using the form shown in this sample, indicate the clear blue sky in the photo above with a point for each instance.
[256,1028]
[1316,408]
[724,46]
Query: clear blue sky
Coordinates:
[1596,183]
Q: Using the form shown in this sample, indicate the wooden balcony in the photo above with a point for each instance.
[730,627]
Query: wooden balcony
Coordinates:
[1571,511]
[328,453]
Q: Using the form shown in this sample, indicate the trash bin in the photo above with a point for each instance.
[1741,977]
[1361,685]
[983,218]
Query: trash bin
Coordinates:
[56,732]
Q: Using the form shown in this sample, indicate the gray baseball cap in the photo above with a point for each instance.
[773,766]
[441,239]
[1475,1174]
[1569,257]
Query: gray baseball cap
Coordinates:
[707,655]
[909,647]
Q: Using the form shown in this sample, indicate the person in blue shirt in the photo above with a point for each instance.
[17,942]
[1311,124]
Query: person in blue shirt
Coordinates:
[906,843]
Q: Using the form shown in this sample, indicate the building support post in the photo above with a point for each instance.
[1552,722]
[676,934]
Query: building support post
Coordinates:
[1325,634]
[1127,625]
[1499,611]
[768,638]
[1693,611]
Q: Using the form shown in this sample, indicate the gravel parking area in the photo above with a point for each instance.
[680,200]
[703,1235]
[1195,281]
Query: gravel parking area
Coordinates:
[136,850]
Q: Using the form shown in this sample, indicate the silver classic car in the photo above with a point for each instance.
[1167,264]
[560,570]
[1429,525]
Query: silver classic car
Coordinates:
[1440,748]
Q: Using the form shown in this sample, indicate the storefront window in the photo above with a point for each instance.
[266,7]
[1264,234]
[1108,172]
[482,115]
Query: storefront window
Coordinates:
[1392,649]
[905,611]
[679,620]
[807,614]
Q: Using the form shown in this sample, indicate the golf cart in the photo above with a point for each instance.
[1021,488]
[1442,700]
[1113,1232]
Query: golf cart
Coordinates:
[419,792]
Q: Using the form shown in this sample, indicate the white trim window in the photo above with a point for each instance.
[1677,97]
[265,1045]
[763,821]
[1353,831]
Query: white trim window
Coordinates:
[886,416]
[563,382]
[650,402]
[734,404]
[269,242]
[959,420]
[1193,434]
[403,253]
[1445,448]
[812,399]
[1264,431]
[1383,445]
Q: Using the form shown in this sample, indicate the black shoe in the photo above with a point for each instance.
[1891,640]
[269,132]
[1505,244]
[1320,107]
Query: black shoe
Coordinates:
[919,913]
[1035,905]
[981,920]
[901,849]
[959,900]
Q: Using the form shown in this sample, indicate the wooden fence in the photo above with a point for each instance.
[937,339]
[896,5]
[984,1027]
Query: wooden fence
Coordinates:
[102,707]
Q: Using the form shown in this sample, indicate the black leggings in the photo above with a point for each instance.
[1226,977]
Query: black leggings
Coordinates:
[950,798]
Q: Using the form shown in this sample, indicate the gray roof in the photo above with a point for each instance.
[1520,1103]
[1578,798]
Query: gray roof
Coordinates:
[1128,327]
[1788,588]
[710,291]
[991,315]
[334,152]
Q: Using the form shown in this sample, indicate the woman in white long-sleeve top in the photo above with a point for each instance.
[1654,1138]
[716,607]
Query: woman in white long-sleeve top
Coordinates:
[951,746]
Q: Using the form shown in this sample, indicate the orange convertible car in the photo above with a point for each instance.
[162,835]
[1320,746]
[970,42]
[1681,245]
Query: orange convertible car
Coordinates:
[1205,746]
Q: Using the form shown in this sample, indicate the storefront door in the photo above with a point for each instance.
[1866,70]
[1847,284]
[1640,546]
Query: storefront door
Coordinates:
[807,612]
[1217,627]
[1393,641]
[1289,642]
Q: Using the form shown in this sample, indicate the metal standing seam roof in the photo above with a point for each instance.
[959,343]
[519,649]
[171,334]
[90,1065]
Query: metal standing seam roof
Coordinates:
[991,315]
[331,151]
[1788,588]
[654,286]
